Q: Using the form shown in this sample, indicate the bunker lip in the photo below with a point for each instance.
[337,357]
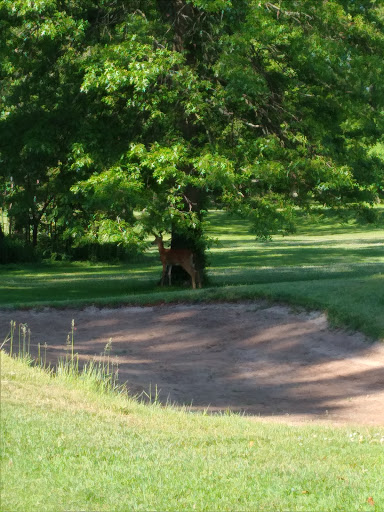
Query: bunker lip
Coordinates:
[265,361]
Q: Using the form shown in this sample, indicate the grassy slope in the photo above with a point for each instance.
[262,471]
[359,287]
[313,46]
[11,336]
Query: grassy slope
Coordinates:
[66,447]
[327,265]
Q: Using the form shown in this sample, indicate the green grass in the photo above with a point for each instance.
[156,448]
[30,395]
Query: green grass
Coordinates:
[66,446]
[67,443]
[330,265]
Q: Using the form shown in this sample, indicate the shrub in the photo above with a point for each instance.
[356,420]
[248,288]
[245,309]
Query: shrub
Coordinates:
[13,250]
[107,252]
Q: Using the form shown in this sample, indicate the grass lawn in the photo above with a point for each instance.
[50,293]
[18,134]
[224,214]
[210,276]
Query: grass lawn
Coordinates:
[66,446]
[329,265]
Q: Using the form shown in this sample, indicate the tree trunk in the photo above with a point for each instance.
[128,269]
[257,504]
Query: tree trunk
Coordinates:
[191,239]
[34,233]
[184,18]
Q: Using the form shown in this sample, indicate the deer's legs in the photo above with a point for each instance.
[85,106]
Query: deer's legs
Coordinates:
[191,271]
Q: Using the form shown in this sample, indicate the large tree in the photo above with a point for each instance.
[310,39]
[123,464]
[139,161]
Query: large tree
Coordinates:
[165,107]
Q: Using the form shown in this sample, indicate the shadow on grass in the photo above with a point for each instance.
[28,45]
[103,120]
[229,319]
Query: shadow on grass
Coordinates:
[290,254]
[319,222]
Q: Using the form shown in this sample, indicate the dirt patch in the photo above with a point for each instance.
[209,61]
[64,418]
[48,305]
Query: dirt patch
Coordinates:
[252,358]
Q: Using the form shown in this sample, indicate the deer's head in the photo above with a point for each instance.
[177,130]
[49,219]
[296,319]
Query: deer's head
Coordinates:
[158,238]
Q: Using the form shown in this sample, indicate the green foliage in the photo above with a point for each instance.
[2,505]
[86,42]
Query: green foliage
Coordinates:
[107,251]
[159,107]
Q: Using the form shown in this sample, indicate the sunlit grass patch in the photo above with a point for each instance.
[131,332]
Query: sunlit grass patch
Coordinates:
[66,446]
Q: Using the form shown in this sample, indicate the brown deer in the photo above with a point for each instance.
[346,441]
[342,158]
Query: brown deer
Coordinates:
[182,257]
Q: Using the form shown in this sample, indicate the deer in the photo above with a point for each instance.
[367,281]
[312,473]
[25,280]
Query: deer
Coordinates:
[181,257]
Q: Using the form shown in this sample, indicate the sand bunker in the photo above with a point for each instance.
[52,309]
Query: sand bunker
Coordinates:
[254,358]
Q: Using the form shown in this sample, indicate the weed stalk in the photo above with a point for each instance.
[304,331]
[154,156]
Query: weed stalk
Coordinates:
[102,374]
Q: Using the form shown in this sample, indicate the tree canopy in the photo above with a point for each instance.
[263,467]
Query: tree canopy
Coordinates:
[123,118]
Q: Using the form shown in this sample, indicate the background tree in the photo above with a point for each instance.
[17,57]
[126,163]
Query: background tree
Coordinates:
[168,107]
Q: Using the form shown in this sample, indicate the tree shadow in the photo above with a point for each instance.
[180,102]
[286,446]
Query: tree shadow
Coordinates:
[291,254]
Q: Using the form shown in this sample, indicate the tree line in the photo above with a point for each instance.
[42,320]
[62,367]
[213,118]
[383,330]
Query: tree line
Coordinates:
[121,119]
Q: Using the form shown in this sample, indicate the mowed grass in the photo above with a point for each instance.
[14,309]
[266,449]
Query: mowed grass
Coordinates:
[66,446]
[328,264]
